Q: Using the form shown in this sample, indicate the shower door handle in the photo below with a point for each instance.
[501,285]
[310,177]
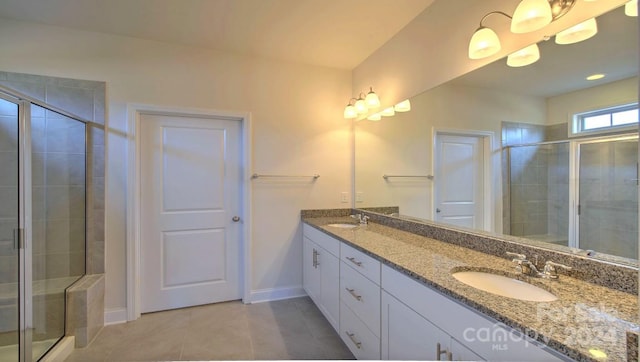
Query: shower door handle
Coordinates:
[18,238]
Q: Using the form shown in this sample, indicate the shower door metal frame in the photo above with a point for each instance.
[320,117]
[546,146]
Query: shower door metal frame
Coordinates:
[574,176]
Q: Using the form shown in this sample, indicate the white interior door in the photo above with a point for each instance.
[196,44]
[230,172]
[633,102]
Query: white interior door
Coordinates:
[190,178]
[459,180]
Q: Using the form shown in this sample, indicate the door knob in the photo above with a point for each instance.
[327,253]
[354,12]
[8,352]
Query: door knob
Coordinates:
[236,218]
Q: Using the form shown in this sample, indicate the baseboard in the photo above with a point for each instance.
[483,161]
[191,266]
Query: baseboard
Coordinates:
[115,316]
[61,351]
[271,294]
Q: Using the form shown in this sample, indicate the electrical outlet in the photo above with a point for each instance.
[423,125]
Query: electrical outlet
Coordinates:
[359,196]
[344,197]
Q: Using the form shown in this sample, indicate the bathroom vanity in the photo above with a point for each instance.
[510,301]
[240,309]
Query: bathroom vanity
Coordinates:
[391,294]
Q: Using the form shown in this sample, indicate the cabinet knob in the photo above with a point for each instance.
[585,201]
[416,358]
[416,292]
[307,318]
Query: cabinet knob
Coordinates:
[235,218]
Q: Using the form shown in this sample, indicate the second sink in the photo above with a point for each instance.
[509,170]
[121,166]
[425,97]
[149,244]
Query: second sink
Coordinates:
[343,225]
[504,286]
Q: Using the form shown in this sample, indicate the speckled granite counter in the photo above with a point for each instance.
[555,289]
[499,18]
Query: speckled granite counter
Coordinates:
[585,316]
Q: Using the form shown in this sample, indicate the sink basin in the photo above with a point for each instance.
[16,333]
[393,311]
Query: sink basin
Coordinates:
[504,286]
[343,226]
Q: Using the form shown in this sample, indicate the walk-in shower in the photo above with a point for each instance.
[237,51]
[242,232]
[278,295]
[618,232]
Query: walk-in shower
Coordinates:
[580,193]
[43,175]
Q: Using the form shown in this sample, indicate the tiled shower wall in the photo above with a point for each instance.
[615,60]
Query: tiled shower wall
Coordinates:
[85,99]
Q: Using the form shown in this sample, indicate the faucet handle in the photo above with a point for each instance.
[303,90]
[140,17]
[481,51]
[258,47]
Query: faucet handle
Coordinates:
[365,219]
[550,270]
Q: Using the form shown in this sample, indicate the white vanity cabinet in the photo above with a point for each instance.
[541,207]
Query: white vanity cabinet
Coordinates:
[321,272]
[360,303]
[416,318]
[406,335]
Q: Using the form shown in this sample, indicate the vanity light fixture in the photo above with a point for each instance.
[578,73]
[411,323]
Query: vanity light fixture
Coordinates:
[531,15]
[388,112]
[361,105]
[350,110]
[375,117]
[404,106]
[578,33]
[631,8]
[372,99]
[523,57]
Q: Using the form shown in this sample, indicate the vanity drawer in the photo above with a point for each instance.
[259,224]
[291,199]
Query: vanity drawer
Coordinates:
[323,240]
[363,263]
[362,296]
[361,341]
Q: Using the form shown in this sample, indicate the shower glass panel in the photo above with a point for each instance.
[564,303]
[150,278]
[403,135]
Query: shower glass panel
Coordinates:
[58,160]
[9,223]
[608,197]
[539,191]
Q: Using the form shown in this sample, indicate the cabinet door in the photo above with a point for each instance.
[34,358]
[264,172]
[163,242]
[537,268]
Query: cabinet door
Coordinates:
[461,353]
[310,271]
[406,335]
[329,286]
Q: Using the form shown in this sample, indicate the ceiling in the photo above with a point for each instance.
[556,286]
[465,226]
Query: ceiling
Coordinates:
[332,33]
[563,68]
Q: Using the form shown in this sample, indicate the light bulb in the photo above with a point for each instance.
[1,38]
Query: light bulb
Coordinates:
[350,112]
[631,8]
[404,106]
[578,32]
[525,56]
[484,43]
[361,106]
[531,15]
[372,99]
[388,112]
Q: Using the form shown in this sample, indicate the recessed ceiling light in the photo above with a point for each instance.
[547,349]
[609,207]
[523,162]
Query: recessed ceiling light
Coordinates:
[595,76]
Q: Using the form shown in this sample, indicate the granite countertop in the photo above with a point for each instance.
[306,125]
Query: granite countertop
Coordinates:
[585,316]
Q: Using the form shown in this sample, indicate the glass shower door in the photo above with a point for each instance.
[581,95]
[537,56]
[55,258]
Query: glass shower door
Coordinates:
[608,196]
[9,226]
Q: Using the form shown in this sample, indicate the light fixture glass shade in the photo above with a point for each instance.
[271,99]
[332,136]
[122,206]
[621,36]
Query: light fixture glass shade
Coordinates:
[404,106]
[578,33]
[372,99]
[350,112]
[375,117]
[484,43]
[361,106]
[525,56]
[388,112]
[631,8]
[531,15]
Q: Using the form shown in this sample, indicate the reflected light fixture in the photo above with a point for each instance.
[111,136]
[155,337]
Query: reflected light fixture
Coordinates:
[595,76]
[375,117]
[404,106]
[578,32]
[526,56]
[388,112]
[531,15]
[350,110]
[631,8]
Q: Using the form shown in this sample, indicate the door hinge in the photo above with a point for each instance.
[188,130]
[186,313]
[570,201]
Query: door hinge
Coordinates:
[579,208]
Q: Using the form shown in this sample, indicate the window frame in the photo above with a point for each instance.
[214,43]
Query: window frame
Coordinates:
[576,128]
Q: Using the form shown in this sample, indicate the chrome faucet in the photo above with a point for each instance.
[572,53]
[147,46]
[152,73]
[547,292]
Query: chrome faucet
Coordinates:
[524,266]
[550,270]
[362,219]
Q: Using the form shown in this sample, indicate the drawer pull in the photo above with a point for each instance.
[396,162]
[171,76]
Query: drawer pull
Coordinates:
[440,351]
[353,339]
[315,258]
[353,260]
[353,294]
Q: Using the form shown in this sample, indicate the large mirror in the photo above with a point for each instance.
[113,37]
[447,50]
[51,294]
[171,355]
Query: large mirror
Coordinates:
[535,152]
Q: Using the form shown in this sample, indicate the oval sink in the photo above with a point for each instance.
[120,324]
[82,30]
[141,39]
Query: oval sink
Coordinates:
[343,226]
[504,286]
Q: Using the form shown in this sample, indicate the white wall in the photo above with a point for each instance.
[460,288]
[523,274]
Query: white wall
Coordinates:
[433,48]
[561,108]
[297,128]
[403,144]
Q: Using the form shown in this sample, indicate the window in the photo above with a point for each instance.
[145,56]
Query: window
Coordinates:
[606,120]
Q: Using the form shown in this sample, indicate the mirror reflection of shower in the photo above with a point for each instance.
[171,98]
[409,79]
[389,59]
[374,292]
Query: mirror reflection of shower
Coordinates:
[579,193]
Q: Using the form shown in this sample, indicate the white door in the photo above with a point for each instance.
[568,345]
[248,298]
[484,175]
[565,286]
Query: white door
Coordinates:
[190,193]
[459,180]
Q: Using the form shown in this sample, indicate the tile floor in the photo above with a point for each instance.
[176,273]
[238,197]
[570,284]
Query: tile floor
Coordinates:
[287,329]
